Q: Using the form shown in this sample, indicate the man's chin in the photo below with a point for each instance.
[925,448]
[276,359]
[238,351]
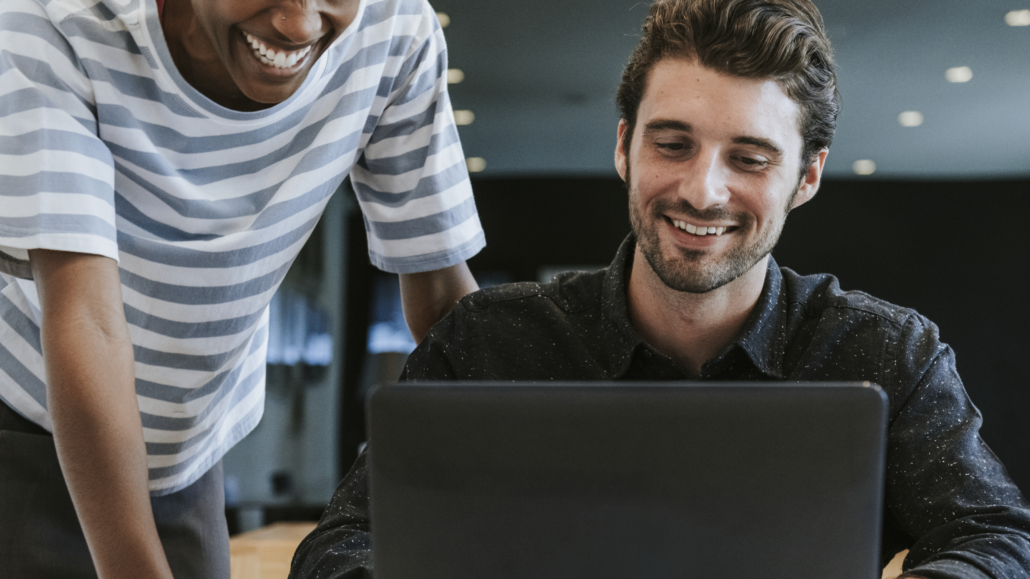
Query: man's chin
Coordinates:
[691,282]
[697,272]
[686,273]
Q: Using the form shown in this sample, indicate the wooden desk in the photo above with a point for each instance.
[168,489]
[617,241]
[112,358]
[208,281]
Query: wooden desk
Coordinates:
[267,552]
[893,569]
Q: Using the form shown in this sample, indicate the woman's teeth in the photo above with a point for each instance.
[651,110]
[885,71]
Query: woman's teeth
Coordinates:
[273,58]
[695,230]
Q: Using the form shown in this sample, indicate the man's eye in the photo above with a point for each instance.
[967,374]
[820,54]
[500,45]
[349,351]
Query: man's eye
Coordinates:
[671,146]
[751,163]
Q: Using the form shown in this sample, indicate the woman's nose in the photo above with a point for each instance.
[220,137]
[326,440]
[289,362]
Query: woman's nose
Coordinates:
[300,22]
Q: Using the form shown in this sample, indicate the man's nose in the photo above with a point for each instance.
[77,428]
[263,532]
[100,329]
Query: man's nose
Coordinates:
[707,182]
[299,21]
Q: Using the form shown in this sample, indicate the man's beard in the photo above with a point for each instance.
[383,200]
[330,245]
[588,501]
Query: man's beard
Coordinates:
[685,271]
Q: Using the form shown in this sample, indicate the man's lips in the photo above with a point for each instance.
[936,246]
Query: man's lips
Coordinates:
[701,230]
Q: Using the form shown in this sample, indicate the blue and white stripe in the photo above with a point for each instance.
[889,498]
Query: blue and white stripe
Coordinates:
[105,149]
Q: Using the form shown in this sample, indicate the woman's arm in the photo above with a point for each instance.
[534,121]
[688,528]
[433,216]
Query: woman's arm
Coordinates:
[429,296]
[91,396]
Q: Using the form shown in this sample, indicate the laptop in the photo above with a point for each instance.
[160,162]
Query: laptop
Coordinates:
[499,480]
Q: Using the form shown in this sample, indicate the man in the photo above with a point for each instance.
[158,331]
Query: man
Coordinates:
[728,109]
[161,164]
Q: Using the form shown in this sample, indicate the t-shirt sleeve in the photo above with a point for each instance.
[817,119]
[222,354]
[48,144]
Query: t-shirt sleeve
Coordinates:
[56,175]
[411,180]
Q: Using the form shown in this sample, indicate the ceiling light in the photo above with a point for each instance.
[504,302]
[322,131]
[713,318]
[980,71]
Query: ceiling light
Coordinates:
[864,167]
[959,74]
[1018,18]
[454,76]
[910,118]
[444,19]
[464,117]
[475,164]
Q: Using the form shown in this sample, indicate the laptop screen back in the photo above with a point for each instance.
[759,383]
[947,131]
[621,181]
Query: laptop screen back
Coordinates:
[508,480]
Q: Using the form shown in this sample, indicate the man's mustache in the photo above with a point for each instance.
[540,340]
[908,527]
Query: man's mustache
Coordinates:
[683,207]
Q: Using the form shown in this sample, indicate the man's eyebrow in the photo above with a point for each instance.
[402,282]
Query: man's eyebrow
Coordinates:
[667,124]
[765,144]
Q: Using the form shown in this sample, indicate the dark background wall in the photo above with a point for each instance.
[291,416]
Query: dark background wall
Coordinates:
[955,251]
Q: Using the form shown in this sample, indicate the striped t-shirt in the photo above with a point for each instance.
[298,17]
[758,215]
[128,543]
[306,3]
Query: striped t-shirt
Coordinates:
[105,149]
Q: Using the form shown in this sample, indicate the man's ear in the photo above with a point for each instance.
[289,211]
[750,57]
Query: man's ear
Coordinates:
[620,153]
[811,179]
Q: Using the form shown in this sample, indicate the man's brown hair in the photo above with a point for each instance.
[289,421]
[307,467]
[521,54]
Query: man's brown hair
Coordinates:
[782,40]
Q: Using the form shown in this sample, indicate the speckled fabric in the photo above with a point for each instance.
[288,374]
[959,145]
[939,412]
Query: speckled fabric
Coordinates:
[948,498]
[340,547]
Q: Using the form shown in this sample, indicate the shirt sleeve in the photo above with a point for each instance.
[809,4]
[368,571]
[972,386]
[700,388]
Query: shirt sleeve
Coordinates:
[947,490]
[340,547]
[433,359]
[56,175]
[411,180]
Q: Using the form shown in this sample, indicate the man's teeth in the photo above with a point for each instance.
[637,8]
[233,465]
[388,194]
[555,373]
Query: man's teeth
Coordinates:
[695,230]
[273,58]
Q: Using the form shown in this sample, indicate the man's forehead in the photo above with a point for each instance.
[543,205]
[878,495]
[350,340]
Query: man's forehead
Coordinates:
[702,99]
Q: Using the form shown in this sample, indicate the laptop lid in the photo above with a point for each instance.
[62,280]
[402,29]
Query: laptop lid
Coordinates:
[561,480]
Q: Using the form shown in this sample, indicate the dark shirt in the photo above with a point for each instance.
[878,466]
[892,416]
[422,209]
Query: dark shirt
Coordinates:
[948,499]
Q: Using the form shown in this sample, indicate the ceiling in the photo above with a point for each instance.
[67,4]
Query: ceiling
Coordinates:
[540,76]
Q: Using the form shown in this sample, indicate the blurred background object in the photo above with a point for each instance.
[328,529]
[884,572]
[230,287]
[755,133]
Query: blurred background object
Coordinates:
[540,77]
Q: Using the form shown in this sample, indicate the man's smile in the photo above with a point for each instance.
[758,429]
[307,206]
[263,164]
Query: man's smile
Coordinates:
[276,58]
[700,230]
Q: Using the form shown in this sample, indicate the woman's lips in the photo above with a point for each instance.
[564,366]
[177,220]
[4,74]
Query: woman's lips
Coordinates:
[272,58]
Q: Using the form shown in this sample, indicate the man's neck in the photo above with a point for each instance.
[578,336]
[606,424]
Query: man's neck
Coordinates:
[690,328]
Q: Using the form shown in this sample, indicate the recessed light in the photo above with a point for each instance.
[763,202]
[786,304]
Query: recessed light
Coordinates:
[864,167]
[444,19]
[464,117]
[475,164]
[1018,18]
[959,74]
[910,118]
[454,76]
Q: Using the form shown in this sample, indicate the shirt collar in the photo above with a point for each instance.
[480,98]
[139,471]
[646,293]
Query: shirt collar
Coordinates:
[761,339]
[764,334]
[615,311]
